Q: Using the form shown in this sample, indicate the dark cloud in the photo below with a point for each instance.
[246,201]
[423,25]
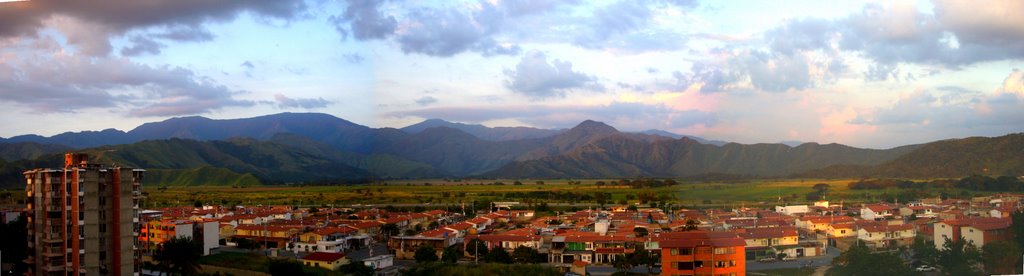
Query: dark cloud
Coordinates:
[186,33]
[67,83]
[637,116]
[448,32]
[364,20]
[307,103]
[141,45]
[536,78]
[426,100]
[105,18]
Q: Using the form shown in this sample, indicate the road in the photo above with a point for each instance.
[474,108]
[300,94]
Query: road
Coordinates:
[809,261]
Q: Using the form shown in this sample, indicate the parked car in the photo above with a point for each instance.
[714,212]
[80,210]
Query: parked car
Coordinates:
[924,268]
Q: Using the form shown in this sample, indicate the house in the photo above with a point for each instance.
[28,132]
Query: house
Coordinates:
[976,230]
[814,224]
[379,262]
[404,247]
[876,212]
[326,260]
[764,242]
[883,235]
[702,253]
[920,211]
[791,209]
[842,230]
[329,239]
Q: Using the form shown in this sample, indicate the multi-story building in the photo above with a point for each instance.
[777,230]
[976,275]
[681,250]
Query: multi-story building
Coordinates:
[82,219]
[702,253]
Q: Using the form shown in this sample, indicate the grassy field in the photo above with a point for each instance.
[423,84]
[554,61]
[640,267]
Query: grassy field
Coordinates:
[444,192]
[752,193]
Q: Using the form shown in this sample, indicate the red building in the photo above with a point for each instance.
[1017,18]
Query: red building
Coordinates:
[702,253]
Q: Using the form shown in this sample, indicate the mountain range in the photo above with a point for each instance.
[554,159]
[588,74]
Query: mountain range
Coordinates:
[323,149]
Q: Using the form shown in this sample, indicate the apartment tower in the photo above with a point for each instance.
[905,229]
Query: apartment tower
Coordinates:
[83,218]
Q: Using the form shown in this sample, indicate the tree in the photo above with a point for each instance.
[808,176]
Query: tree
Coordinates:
[821,188]
[389,230]
[179,256]
[1000,257]
[356,268]
[621,263]
[425,253]
[198,204]
[859,260]
[959,258]
[1017,227]
[244,243]
[526,255]
[499,255]
[640,231]
[601,198]
[476,248]
[632,207]
[924,251]
[284,267]
[451,254]
[642,257]
[690,225]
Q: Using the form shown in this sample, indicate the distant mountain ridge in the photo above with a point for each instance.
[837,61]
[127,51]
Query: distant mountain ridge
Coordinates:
[320,148]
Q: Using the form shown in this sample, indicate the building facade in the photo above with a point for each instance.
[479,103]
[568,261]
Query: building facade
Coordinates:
[83,218]
[702,253]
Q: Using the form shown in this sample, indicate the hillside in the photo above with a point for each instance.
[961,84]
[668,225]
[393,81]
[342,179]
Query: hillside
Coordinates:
[952,158]
[28,150]
[621,156]
[268,162]
[483,132]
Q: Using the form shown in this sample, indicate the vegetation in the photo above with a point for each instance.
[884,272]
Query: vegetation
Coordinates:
[488,269]
[15,243]
[859,260]
[425,253]
[179,256]
[526,255]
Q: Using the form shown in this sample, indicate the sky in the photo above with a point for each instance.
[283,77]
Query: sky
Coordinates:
[874,74]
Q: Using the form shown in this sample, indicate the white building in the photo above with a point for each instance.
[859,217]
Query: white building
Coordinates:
[790,210]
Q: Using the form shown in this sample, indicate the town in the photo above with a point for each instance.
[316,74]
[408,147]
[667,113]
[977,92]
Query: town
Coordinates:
[599,240]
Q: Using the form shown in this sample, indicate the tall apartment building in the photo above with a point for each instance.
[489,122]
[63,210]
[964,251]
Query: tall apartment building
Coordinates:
[702,253]
[83,219]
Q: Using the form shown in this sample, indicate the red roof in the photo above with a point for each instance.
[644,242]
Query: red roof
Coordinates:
[762,233]
[699,238]
[324,256]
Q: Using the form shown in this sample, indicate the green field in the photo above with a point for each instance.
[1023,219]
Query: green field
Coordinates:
[443,192]
[439,192]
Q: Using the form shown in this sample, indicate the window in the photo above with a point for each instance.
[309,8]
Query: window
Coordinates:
[674,252]
[732,262]
[719,264]
[698,264]
[684,265]
[724,250]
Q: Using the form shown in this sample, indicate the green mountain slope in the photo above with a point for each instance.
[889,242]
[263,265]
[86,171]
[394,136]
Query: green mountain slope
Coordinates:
[203,176]
[28,150]
[624,156]
[952,158]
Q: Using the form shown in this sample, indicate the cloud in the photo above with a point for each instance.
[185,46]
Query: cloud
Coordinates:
[307,103]
[247,64]
[56,82]
[635,116]
[364,20]
[960,33]
[426,100]
[959,111]
[448,32]
[353,58]
[141,45]
[536,78]
[1014,83]
[89,25]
